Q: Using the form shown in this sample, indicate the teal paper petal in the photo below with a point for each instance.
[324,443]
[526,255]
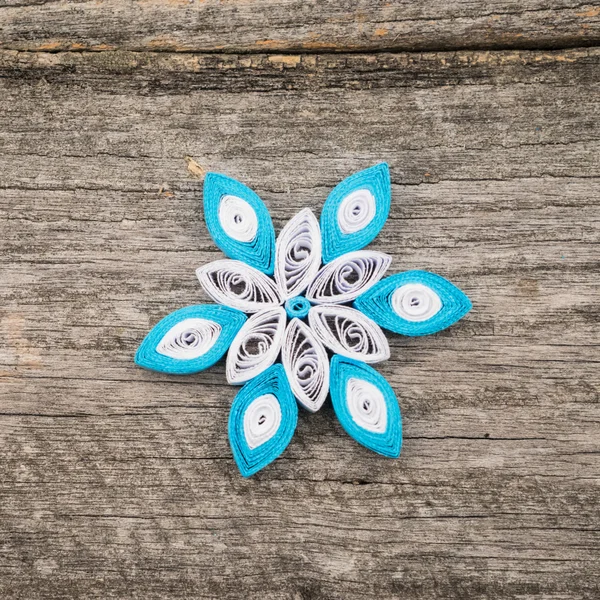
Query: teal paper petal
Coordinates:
[230,210]
[391,308]
[351,222]
[183,333]
[262,396]
[366,406]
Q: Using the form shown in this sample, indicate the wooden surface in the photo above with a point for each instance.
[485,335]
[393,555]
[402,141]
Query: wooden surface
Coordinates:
[116,482]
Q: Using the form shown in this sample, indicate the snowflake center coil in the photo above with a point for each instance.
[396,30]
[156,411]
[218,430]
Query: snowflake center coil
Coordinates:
[297,307]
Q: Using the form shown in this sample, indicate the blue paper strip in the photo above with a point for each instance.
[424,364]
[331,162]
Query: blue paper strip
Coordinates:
[258,252]
[273,382]
[229,320]
[388,441]
[378,303]
[336,242]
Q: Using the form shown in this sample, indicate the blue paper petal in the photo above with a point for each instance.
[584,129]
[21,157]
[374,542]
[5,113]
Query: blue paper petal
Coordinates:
[380,304]
[272,384]
[226,322]
[364,225]
[257,251]
[370,414]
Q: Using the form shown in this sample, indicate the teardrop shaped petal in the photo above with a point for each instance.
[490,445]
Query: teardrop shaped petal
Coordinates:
[366,406]
[256,346]
[348,276]
[239,222]
[306,365]
[414,303]
[262,420]
[298,254]
[348,332]
[190,339]
[235,284]
[355,211]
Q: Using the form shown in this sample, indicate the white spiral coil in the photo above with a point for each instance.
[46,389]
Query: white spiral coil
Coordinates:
[356,211]
[256,345]
[261,420]
[348,332]
[416,302]
[348,276]
[189,339]
[235,284]
[306,364]
[237,218]
[298,254]
[366,405]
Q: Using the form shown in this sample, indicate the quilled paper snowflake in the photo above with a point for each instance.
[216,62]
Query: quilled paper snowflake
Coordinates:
[317,302]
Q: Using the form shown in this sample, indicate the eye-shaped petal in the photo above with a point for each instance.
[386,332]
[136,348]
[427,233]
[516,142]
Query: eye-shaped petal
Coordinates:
[348,276]
[298,254]
[366,406]
[256,345]
[348,332]
[239,222]
[355,211]
[262,420]
[235,284]
[306,365]
[414,303]
[189,340]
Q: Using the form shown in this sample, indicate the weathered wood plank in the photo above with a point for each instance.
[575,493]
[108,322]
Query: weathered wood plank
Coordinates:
[116,482]
[296,25]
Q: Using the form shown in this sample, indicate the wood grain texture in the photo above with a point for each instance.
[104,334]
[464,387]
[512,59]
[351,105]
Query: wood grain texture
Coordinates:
[116,482]
[296,25]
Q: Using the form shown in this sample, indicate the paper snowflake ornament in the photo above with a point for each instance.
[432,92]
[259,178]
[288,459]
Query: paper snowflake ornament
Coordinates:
[317,302]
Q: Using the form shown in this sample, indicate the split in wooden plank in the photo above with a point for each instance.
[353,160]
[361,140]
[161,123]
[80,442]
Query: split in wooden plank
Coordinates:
[296,25]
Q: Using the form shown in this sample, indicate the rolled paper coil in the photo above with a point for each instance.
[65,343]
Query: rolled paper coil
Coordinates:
[190,339]
[366,406]
[235,284]
[262,420]
[306,365]
[348,332]
[298,254]
[239,222]
[355,211]
[414,303]
[348,276]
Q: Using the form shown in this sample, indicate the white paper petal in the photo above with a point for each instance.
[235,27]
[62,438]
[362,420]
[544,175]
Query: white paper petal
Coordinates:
[235,284]
[349,333]
[348,276]
[256,346]
[298,254]
[306,365]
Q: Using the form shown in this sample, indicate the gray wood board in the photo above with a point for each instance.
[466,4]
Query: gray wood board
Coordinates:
[116,482]
[296,25]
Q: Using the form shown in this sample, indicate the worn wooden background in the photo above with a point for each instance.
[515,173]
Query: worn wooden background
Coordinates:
[119,483]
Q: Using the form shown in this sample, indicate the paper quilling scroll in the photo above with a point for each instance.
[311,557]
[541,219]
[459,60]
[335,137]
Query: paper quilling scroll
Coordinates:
[301,316]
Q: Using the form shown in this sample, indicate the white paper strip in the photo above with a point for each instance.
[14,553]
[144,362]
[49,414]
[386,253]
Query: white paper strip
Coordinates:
[348,276]
[298,254]
[356,211]
[416,302]
[261,420]
[256,346]
[238,218]
[306,365]
[189,339]
[238,285]
[366,405]
[348,332]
